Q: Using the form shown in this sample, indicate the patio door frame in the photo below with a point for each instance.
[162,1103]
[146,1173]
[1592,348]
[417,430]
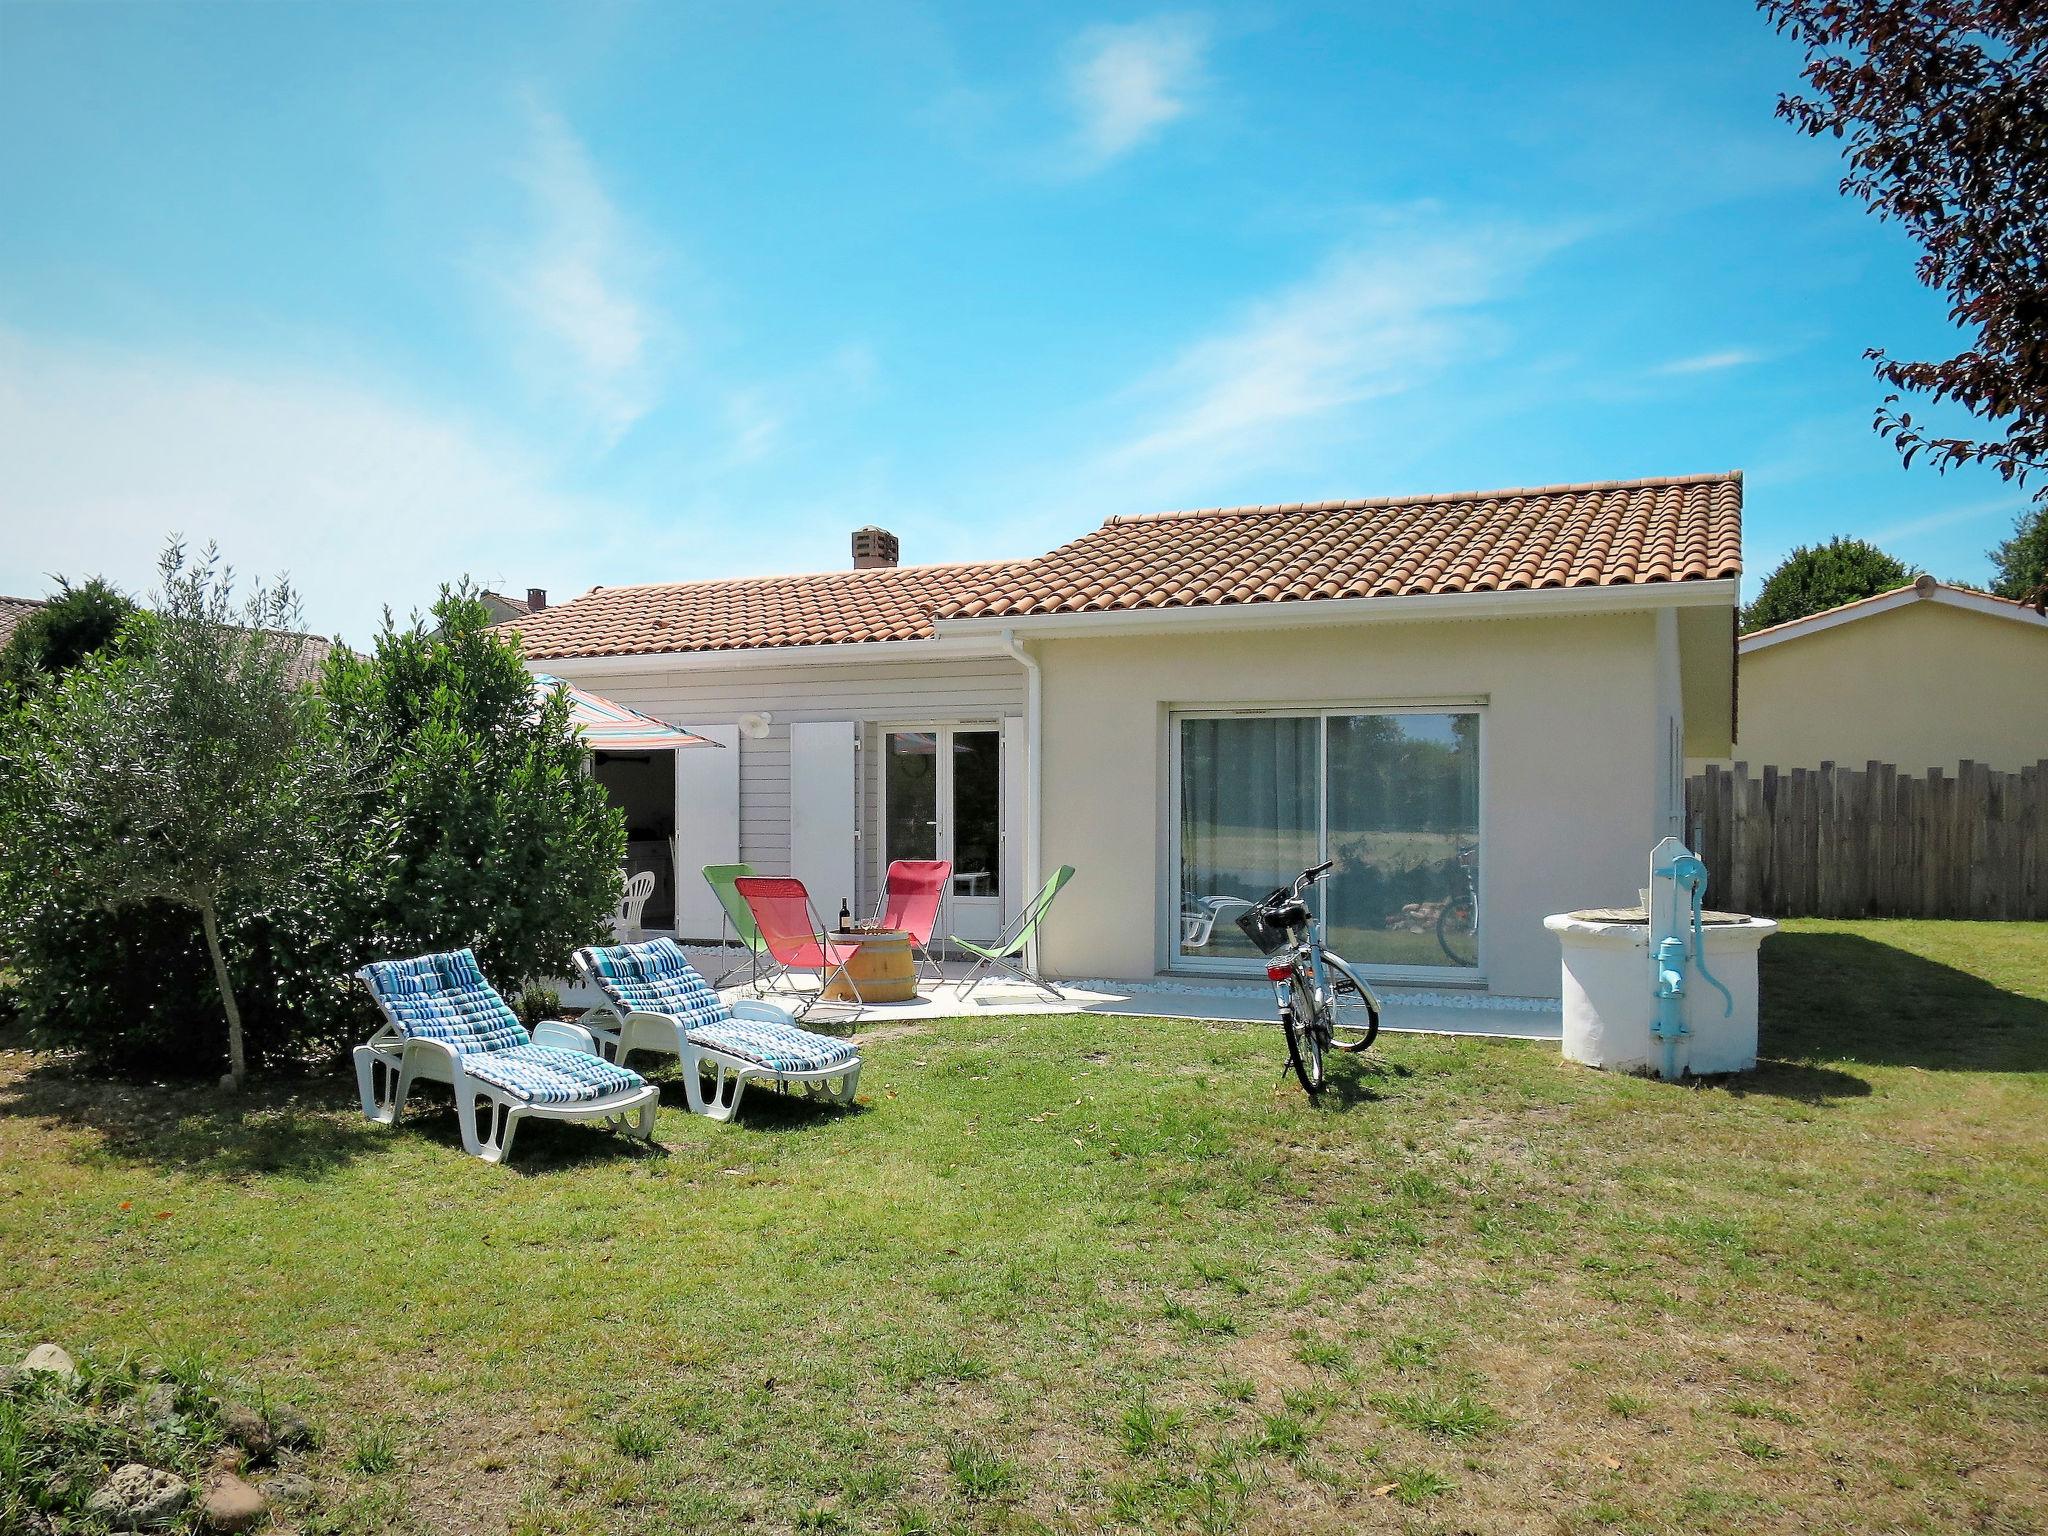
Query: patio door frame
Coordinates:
[1169,906]
[972,917]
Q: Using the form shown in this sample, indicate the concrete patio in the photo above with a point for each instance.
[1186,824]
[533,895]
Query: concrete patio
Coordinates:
[1409,1010]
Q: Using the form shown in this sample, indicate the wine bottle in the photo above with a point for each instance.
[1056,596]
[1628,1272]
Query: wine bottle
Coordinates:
[845,916]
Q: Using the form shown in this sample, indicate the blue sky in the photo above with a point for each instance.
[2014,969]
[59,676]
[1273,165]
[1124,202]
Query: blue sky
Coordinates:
[379,294]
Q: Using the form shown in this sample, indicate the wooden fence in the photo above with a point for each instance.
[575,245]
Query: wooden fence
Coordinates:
[1873,842]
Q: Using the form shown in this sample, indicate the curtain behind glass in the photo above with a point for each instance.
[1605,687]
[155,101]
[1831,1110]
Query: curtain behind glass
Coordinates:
[1250,795]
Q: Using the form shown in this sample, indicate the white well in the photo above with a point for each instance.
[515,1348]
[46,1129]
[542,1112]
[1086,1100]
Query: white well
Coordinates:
[1610,998]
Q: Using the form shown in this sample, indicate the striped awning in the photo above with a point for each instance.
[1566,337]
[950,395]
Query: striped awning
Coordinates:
[609,727]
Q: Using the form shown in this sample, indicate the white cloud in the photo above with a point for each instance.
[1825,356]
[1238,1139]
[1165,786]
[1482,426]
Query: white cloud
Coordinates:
[1375,320]
[755,423]
[574,284]
[1126,83]
[1712,362]
[1915,526]
[363,499]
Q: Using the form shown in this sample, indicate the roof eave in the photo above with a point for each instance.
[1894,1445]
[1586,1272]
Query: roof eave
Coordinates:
[1890,602]
[842,653]
[1538,602]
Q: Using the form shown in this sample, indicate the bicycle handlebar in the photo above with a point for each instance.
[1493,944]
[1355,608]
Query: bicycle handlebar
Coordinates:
[1309,877]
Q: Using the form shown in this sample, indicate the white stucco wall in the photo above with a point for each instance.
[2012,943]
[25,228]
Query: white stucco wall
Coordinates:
[1575,743]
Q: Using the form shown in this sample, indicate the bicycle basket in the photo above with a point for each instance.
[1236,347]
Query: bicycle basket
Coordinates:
[1261,926]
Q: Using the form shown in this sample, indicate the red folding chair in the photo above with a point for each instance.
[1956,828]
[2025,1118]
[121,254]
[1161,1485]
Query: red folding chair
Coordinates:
[913,890]
[794,937]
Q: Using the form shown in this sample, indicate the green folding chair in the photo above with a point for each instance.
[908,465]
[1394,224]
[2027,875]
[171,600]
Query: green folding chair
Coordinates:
[1009,948]
[739,919]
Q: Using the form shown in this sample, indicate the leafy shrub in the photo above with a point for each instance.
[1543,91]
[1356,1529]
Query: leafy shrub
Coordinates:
[465,819]
[478,825]
[537,1001]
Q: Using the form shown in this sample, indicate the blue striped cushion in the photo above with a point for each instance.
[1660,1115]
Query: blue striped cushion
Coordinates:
[445,997]
[780,1047]
[547,1074]
[654,977]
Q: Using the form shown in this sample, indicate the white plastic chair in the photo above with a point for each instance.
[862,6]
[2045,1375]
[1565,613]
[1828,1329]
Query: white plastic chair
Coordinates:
[632,902]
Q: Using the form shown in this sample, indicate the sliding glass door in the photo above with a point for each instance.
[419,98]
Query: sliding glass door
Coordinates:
[1391,796]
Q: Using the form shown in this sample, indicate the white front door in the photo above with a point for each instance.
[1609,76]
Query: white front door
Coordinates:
[942,798]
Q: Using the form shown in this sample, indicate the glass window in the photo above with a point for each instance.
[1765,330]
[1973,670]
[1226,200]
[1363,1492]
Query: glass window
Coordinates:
[977,813]
[1391,797]
[1404,832]
[910,795]
[1249,816]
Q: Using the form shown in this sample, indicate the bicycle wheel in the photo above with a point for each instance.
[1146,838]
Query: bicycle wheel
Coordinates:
[1457,931]
[1304,1038]
[1354,1007]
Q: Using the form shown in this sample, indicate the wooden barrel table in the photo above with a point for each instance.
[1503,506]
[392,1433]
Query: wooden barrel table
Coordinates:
[885,970]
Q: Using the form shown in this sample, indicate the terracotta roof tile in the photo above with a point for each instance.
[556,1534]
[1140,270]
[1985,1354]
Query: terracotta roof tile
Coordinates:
[763,612]
[1685,528]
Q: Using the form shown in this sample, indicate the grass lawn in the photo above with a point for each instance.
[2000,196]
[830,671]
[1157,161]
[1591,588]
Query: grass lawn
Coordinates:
[1074,1274]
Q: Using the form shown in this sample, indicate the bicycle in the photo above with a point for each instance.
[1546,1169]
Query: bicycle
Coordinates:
[1324,1006]
[1458,918]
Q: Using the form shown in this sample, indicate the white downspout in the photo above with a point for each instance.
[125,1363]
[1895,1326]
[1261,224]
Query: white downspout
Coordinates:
[1033,700]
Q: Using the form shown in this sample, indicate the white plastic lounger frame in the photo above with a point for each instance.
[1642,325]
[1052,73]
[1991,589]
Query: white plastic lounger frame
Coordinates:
[392,1060]
[714,1079]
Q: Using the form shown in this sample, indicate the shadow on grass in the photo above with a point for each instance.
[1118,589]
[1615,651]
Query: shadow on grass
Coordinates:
[1349,1080]
[1796,1080]
[295,1127]
[762,1108]
[1841,997]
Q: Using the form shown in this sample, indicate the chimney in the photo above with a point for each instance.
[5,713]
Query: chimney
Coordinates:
[536,599]
[873,548]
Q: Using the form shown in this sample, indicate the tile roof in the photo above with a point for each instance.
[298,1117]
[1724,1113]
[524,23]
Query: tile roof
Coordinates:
[13,610]
[1610,533]
[836,608]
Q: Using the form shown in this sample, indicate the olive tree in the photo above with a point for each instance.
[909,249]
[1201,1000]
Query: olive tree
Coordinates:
[181,766]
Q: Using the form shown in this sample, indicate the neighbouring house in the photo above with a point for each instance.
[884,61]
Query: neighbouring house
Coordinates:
[1479,702]
[503,608]
[13,610]
[1921,677]
[306,669]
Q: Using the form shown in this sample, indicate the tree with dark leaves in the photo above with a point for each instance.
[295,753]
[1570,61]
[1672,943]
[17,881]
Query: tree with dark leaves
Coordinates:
[2022,560]
[1813,580]
[76,622]
[1943,107]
